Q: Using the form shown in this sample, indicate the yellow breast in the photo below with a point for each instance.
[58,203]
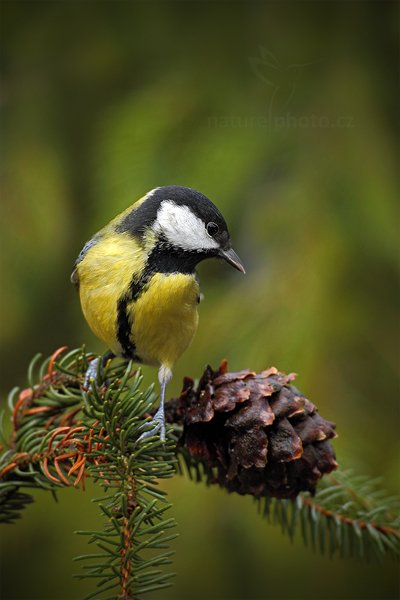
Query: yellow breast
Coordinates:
[104,275]
[165,318]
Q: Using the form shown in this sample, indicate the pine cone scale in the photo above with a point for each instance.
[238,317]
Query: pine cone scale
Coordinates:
[257,414]
[285,444]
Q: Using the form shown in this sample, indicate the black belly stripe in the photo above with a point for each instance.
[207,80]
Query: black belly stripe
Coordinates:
[124,325]
[124,330]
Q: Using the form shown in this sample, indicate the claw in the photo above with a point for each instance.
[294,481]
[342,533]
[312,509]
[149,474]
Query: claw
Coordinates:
[158,423]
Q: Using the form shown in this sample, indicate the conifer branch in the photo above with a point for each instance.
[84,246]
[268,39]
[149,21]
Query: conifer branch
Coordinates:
[249,433]
[349,515]
[336,519]
[62,434]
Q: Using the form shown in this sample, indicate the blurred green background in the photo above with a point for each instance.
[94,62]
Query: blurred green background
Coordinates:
[285,116]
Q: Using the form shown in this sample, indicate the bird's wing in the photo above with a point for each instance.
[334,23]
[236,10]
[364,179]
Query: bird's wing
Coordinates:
[105,232]
[89,244]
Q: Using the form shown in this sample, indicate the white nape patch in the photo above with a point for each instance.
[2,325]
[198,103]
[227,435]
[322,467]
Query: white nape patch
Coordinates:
[151,193]
[182,227]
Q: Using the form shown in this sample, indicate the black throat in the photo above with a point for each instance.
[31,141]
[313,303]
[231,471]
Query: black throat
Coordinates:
[165,258]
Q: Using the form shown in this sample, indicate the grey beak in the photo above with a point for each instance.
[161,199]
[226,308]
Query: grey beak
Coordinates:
[232,258]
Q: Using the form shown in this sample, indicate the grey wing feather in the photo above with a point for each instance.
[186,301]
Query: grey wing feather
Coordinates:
[81,256]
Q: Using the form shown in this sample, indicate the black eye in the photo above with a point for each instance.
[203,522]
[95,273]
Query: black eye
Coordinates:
[212,228]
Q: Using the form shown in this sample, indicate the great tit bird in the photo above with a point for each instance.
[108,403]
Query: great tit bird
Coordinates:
[137,278]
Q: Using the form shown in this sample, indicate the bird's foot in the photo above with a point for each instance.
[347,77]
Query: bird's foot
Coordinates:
[91,376]
[158,423]
[91,373]
[96,367]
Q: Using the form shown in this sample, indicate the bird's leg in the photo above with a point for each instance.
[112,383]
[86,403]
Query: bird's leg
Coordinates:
[164,375]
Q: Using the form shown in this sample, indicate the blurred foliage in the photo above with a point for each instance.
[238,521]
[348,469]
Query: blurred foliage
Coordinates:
[102,101]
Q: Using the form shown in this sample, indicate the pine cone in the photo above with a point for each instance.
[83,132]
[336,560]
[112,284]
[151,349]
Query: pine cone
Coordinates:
[257,431]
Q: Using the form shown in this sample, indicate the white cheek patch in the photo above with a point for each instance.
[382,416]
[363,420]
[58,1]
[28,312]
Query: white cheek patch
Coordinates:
[182,227]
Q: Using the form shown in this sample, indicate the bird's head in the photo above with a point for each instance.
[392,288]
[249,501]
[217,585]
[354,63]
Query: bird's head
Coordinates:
[184,224]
